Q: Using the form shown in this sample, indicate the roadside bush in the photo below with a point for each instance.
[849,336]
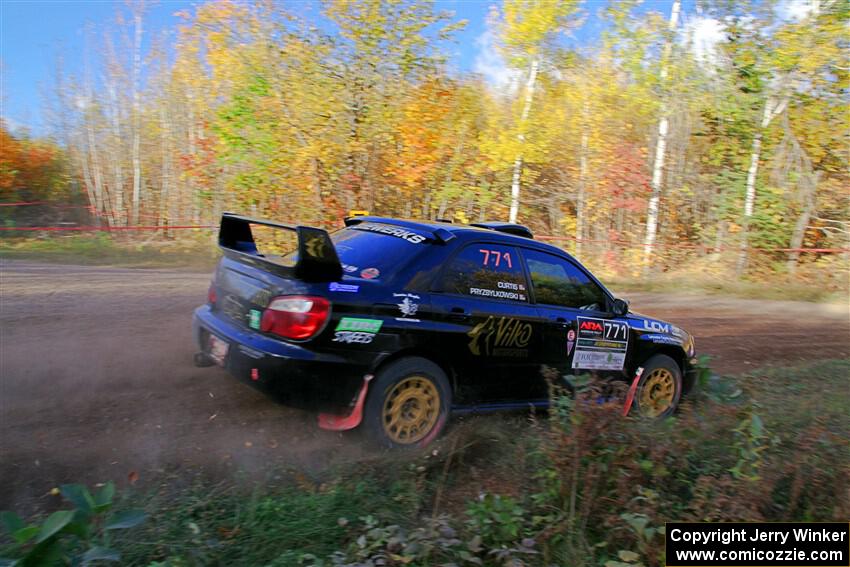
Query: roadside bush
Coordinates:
[80,536]
[584,487]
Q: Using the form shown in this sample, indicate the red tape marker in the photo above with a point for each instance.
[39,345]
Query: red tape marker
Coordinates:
[100,228]
[631,396]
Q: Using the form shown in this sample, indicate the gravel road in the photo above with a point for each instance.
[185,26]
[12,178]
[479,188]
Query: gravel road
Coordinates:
[97,381]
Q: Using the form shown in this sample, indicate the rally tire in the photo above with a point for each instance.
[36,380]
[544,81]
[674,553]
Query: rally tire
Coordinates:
[408,404]
[660,387]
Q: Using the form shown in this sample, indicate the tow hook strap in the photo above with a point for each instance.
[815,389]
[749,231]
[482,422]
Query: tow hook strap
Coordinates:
[333,422]
[631,395]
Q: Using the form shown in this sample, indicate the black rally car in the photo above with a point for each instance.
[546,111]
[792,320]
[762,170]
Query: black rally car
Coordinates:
[397,323]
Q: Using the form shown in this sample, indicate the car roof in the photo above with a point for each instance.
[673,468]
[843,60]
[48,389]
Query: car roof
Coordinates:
[464,231]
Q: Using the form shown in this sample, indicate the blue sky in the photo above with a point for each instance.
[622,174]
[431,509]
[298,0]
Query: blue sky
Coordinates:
[34,33]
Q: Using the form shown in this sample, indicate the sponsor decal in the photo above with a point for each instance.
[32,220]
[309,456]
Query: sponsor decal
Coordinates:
[254,318]
[315,246]
[396,231]
[501,336]
[353,337]
[370,273]
[601,344]
[408,306]
[571,341]
[498,294]
[349,268]
[661,339]
[359,325]
[333,286]
[655,326]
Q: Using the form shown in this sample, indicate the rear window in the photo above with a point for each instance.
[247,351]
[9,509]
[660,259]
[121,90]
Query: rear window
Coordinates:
[373,250]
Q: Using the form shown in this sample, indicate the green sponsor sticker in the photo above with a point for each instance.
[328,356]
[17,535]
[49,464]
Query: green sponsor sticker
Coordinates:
[254,319]
[361,325]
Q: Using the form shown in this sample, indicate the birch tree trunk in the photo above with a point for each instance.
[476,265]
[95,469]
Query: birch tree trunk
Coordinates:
[582,180]
[772,108]
[526,109]
[799,233]
[165,141]
[117,170]
[137,112]
[660,150]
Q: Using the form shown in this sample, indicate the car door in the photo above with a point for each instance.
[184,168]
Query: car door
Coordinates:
[488,327]
[579,332]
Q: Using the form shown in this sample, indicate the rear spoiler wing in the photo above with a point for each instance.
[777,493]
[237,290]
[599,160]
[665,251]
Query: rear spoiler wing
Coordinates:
[317,257]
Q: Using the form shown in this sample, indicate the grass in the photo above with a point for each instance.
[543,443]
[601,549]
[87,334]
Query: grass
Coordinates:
[826,281]
[573,489]
[101,250]
[794,398]
[775,289]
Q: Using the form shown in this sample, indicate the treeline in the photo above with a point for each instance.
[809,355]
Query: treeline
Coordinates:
[639,138]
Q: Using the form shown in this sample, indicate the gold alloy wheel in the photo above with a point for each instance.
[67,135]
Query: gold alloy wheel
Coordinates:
[411,410]
[656,396]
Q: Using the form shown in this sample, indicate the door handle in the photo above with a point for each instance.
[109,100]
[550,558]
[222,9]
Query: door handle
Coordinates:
[458,314]
[560,321]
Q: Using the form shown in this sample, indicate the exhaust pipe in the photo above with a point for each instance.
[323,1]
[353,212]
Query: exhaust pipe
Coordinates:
[202,360]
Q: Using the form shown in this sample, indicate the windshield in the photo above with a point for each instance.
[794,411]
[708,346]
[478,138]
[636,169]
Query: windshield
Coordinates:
[373,250]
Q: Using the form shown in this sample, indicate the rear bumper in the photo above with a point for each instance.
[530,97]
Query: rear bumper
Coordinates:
[303,377]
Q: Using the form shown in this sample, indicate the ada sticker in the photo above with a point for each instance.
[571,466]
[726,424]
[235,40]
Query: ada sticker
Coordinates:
[333,286]
[408,306]
[370,273]
[359,325]
[601,345]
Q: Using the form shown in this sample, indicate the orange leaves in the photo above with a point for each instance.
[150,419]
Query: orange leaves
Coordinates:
[36,166]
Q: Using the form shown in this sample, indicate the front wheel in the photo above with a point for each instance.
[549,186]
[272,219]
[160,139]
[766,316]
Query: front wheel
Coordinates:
[660,387]
[408,404]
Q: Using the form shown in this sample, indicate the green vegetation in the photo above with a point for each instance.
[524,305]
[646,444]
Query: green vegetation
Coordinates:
[80,536]
[101,250]
[644,148]
[583,487]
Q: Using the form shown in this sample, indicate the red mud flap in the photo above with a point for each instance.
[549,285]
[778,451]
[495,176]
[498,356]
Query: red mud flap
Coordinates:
[631,395]
[333,422]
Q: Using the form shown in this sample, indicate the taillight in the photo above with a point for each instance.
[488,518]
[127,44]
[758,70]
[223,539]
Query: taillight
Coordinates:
[295,316]
[211,295]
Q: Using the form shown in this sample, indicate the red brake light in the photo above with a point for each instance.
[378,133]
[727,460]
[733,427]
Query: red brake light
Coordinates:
[295,316]
[211,295]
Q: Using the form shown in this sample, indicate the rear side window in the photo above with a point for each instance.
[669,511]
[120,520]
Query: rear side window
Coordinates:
[486,270]
[373,250]
[557,281]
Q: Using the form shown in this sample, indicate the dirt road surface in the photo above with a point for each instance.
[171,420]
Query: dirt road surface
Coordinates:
[97,381]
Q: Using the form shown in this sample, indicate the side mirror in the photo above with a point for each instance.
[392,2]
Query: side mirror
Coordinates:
[620,307]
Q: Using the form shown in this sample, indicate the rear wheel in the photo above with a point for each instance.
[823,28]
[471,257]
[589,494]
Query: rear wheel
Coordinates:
[408,403]
[660,387]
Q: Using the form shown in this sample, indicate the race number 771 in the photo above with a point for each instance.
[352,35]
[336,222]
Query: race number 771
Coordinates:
[496,256]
